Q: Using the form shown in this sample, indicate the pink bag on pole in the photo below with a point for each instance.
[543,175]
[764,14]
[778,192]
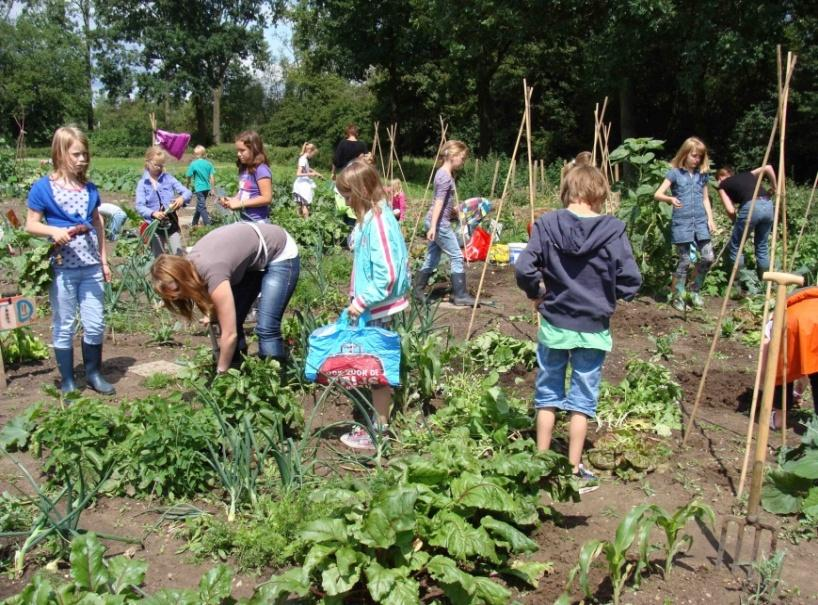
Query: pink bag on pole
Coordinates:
[174,143]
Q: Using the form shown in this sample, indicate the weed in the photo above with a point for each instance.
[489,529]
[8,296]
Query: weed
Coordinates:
[768,582]
[158,381]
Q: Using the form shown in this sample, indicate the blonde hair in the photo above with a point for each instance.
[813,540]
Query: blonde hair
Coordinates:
[64,137]
[307,147]
[583,159]
[396,185]
[199,151]
[691,144]
[584,184]
[359,183]
[180,287]
[154,153]
[449,149]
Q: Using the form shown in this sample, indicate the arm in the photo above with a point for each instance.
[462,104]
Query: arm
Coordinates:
[437,208]
[35,226]
[662,197]
[142,204]
[529,266]
[99,226]
[183,194]
[628,277]
[729,208]
[222,298]
[265,198]
[213,180]
[769,172]
[708,209]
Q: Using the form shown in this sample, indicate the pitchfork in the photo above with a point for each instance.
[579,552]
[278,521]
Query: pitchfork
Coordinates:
[751,520]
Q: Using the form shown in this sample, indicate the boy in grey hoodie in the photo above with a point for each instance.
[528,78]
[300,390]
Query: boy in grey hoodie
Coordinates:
[575,267]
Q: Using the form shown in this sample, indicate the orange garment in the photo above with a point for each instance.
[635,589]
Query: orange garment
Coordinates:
[802,335]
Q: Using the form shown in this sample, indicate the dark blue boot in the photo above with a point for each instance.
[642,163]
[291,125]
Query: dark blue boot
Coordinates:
[92,356]
[65,364]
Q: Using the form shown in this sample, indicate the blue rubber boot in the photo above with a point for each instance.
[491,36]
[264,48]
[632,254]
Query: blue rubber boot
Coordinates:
[92,356]
[65,364]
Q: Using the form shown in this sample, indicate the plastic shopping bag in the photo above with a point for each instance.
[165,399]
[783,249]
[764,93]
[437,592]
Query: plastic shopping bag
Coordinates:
[353,355]
[478,246]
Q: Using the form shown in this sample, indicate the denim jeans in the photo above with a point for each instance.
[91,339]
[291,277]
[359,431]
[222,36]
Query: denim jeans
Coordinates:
[445,241]
[277,287]
[114,225]
[80,287]
[201,208]
[586,374]
[245,293]
[166,242]
[761,224]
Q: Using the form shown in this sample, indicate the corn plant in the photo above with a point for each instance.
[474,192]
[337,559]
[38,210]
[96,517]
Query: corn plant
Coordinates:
[673,526]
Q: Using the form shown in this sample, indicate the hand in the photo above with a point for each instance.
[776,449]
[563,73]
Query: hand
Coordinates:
[353,312]
[106,273]
[61,236]
[674,201]
[711,224]
[177,203]
[732,215]
[159,215]
[430,234]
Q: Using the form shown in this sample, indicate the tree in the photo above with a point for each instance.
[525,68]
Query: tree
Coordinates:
[188,47]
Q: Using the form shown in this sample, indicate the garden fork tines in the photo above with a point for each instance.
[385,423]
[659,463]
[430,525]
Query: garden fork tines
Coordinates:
[741,524]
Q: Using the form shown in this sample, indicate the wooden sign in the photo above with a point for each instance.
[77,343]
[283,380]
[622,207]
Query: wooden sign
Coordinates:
[16,311]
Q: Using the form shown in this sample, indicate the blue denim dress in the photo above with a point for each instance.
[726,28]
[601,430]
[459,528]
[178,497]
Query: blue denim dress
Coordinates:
[688,223]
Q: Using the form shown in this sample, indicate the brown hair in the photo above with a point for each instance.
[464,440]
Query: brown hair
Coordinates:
[351,129]
[180,287]
[64,137]
[724,172]
[253,142]
[359,183]
[449,149]
[584,184]
[691,144]
[583,159]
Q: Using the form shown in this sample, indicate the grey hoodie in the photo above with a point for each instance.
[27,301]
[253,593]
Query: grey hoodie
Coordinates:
[585,265]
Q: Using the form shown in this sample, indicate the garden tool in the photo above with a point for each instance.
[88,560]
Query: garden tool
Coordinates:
[782,280]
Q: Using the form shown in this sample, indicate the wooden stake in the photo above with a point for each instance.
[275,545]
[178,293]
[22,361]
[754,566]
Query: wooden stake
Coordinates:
[443,128]
[494,179]
[3,382]
[723,311]
[499,212]
[542,175]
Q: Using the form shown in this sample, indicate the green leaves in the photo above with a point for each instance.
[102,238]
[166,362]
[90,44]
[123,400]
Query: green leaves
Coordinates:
[793,487]
[461,539]
[21,345]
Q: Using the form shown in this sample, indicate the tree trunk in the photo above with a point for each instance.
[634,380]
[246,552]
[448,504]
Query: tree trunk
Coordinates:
[484,107]
[202,134]
[217,111]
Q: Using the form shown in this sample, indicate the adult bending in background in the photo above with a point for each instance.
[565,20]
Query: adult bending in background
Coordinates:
[736,192]
[222,276]
[158,196]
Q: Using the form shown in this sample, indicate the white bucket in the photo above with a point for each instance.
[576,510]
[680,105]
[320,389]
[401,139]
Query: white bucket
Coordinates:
[514,251]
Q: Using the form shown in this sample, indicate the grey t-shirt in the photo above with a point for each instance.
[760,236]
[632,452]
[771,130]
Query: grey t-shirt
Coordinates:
[227,253]
[444,190]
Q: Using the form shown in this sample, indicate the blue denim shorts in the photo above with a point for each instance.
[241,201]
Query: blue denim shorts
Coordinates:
[586,374]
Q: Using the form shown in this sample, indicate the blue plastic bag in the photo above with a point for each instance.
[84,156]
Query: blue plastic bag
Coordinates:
[353,355]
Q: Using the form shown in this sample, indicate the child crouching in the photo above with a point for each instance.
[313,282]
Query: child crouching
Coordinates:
[575,267]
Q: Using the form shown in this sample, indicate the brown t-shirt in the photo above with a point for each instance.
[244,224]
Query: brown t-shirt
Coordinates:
[227,253]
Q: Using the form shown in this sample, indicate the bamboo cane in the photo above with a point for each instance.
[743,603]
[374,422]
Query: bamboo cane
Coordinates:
[596,133]
[494,179]
[499,213]
[730,281]
[542,174]
[443,129]
[531,182]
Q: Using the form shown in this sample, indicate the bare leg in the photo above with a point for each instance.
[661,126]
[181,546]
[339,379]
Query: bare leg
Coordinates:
[577,429]
[381,398]
[545,428]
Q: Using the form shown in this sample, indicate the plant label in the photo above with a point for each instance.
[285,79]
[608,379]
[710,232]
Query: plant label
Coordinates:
[16,311]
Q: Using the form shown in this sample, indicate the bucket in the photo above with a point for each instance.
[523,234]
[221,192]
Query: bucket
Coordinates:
[514,251]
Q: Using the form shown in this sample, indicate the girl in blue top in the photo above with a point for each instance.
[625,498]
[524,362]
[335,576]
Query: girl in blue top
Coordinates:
[158,196]
[69,204]
[380,271]
[692,221]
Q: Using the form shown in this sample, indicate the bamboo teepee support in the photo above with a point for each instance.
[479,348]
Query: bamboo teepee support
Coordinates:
[730,282]
[443,129]
[531,182]
[782,118]
[499,214]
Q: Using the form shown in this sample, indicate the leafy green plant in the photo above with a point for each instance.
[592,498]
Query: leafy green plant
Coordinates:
[628,452]
[21,345]
[158,381]
[673,525]
[768,582]
[493,350]
[647,396]
[33,268]
[792,487]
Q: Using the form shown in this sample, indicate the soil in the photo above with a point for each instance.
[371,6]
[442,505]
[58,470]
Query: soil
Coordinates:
[707,468]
